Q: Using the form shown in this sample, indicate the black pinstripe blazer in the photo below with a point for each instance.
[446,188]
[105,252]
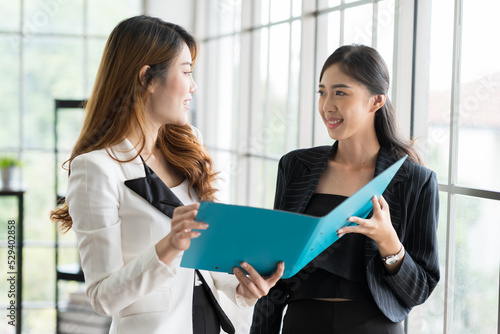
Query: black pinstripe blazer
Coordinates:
[413,199]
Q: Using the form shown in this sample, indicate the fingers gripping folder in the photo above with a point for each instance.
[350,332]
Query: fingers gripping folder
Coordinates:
[264,237]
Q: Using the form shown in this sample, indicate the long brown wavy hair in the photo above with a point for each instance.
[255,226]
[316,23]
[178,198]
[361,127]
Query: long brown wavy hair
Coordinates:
[365,65]
[117,103]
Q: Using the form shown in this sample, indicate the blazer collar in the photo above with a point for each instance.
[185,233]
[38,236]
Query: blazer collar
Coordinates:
[385,160]
[303,156]
[142,180]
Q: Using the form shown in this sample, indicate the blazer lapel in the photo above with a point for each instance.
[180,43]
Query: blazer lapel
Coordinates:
[142,180]
[312,165]
[391,195]
[154,190]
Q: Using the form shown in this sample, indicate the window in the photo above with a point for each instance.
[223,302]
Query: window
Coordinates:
[458,132]
[48,49]
[257,73]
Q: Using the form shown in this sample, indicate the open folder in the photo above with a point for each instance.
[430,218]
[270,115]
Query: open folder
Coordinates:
[265,237]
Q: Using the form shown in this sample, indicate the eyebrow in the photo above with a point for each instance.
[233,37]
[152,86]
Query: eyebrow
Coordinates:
[187,63]
[335,86]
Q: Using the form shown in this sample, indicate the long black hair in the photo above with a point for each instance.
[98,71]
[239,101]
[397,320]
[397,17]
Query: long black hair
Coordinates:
[365,65]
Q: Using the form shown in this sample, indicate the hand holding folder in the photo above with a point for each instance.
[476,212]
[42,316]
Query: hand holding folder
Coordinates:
[265,237]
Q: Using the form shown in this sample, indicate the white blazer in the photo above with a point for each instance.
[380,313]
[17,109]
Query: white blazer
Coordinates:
[117,230]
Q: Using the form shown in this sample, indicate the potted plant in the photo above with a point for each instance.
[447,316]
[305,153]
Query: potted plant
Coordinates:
[9,167]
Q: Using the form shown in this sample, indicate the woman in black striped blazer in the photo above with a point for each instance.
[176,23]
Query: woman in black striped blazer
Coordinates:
[369,280]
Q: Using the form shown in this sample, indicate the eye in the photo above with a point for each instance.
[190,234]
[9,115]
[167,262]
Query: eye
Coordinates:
[189,73]
[320,93]
[339,93]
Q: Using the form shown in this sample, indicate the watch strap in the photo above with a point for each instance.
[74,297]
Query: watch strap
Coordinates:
[394,258]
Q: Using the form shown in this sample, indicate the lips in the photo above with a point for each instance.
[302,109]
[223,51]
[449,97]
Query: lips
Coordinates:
[186,103]
[334,123]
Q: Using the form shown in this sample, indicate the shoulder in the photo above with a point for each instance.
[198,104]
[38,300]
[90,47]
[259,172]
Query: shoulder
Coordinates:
[95,161]
[308,155]
[417,172]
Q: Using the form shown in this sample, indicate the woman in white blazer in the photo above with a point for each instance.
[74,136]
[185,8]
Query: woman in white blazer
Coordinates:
[135,151]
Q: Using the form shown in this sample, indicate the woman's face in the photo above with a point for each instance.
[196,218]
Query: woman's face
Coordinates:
[346,106]
[170,98]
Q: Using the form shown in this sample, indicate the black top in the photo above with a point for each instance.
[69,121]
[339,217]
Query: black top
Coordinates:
[338,272]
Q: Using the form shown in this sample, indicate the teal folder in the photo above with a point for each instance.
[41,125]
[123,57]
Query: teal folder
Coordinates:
[264,237]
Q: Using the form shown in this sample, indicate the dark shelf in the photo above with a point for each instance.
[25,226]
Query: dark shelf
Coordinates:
[70,272]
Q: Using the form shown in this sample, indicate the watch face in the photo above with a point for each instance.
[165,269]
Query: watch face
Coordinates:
[391,260]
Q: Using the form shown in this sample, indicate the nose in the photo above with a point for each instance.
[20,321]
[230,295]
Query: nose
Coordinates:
[192,87]
[328,105]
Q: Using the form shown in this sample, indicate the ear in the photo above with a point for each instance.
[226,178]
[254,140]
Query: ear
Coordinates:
[142,78]
[378,102]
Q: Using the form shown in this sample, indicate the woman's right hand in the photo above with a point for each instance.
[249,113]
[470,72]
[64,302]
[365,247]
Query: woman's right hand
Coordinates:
[181,233]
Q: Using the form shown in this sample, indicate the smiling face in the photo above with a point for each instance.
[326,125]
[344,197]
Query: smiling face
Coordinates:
[170,98]
[346,106]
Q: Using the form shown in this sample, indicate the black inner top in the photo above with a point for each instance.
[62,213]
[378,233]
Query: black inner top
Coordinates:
[339,271]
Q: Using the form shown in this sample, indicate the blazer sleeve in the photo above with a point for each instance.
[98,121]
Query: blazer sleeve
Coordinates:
[419,272]
[93,198]
[228,284]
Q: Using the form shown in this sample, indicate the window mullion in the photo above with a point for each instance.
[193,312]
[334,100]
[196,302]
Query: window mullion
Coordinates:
[452,171]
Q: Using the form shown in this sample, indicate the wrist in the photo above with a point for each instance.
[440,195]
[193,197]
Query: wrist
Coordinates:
[392,259]
[166,252]
[390,246]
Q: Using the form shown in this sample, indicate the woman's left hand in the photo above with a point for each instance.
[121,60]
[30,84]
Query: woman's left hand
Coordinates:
[378,227]
[253,285]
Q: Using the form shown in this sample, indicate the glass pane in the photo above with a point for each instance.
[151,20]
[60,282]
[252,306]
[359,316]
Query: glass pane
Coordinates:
[226,164]
[38,175]
[328,35]
[292,112]
[8,211]
[4,284]
[323,4]
[263,174]
[428,318]
[477,257]
[359,25]
[39,274]
[274,124]
[69,126]
[271,170]
[10,16]
[222,94]
[259,105]
[103,16]
[53,69]
[296,8]
[68,255]
[95,48]
[39,320]
[60,17]
[264,11]
[479,120]
[280,10]
[435,148]
[10,112]
[5,327]
[385,32]
[258,182]
[225,17]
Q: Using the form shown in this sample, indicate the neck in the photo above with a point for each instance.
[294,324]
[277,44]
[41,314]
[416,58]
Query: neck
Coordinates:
[150,141]
[357,154]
